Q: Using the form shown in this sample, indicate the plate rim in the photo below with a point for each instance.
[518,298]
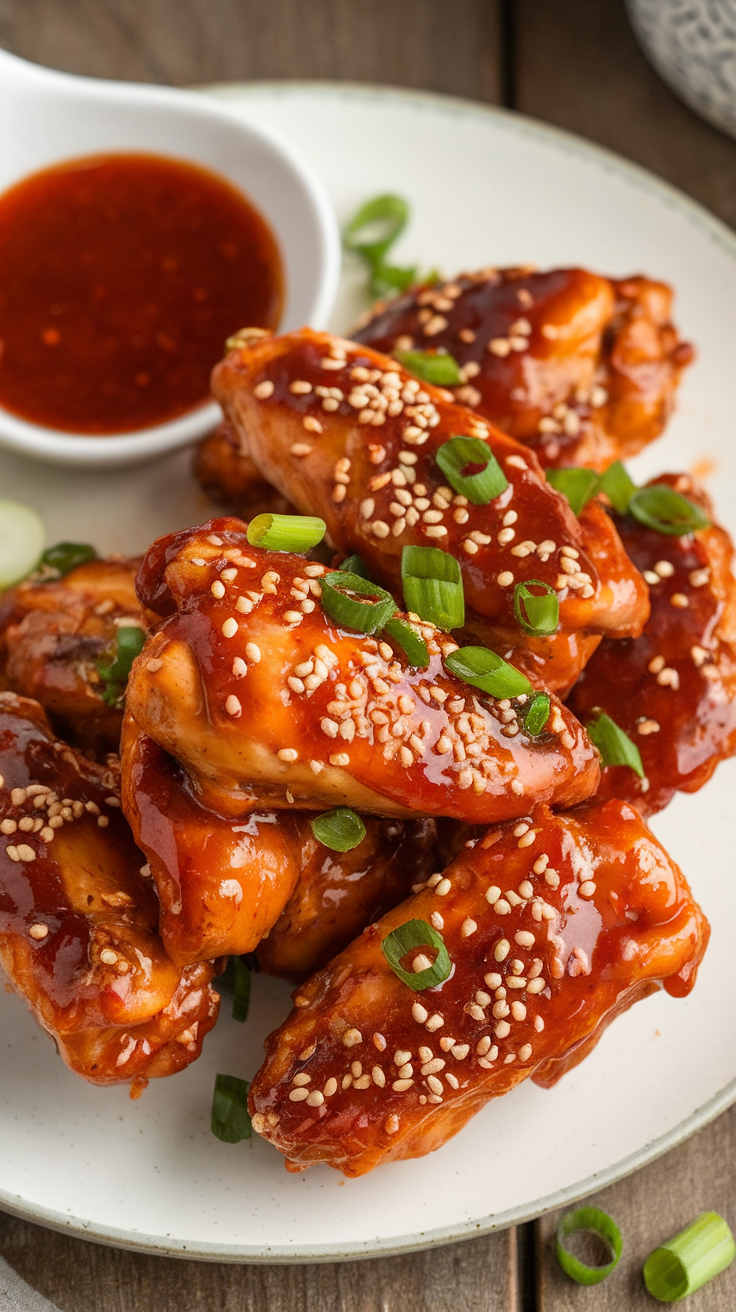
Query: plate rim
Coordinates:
[718,231]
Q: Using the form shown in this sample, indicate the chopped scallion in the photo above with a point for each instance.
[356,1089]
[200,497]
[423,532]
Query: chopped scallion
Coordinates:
[241,989]
[691,1259]
[364,616]
[431,366]
[661,508]
[341,830]
[63,557]
[129,643]
[433,586]
[230,1116]
[597,1222]
[355,565]
[483,669]
[471,468]
[417,934]
[618,487]
[578,485]
[376,226]
[413,646]
[536,613]
[615,746]
[22,536]
[286,532]
[538,714]
[390,279]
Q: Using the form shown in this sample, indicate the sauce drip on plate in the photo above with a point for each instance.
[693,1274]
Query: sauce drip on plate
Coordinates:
[120,278]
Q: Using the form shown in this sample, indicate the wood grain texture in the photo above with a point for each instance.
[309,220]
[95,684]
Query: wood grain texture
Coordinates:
[649,1208]
[578,65]
[188,41]
[479,1276]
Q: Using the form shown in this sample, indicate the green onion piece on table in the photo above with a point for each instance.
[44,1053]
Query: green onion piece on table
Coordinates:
[63,557]
[364,616]
[417,934]
[433,586]
[241,989]
[431,366]
[355,565]
[688,1261]
[618,487]
[536,614]
[376,226]
[129,643]
[595,1221]
[230,1116]
[413,646]
[341,830]
[22,536]
[471,469]
[483,669]
[615,746]
[578,485]
[537,714]
[664,510]
[286,532]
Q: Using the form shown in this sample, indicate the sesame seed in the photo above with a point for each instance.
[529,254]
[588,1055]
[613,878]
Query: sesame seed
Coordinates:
[351,1038]
[288,754]
[524,938]
[38,932]
[435,1022]
[25,853]
[298,1095]
[391,1124]
[330,1087]
[419,1013]
[525,1052]
[502,949]
[230,627]
[502,1029]
[311,424]
[233,706]
[587,888]
[253,653]
[468,927]
[108,957]
[679,600]
[263,390]
[443,888]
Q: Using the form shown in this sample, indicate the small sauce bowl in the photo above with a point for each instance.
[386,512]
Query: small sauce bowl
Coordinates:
[58,117]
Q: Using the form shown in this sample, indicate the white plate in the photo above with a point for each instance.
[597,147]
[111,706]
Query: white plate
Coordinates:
[486,186]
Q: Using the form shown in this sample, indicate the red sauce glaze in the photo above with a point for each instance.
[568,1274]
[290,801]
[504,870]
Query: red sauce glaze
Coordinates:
[120,278]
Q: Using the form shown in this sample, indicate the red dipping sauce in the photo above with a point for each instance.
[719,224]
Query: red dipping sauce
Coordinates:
[120,278]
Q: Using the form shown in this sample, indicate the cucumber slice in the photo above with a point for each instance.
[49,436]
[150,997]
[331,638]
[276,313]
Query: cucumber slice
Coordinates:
[22,539]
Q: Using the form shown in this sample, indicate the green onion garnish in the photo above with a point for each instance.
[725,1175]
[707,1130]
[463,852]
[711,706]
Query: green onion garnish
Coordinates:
[341,830]
[661,508]
[66,556]
[537,714]
[535,614]
[22,536]
[483,669]
[230,1116]
[578,485]
[129,643]
[413,646]
[417,934]
[376,226]
[431,366]
[355,565]
[387,279]
[241,989]
[591,1219]
[615,746]
[433,586]
[365,617]
[688,1261]
[471,468]
[286,532]
[618,487]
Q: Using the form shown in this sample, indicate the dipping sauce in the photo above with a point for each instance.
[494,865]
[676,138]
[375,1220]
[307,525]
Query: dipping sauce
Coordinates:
[120,278]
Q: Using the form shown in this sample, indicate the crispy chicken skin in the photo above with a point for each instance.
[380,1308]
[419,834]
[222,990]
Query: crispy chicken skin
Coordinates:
[54,633]
[673,690]
[267,702]
[78,936]
[365,462]
[231,478]
[553,926]
[581,368]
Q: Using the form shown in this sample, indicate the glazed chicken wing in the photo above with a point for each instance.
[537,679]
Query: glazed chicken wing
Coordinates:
[673,690]
[347,434]
[78,936]
[55,633]
[231,478]
[581,368]
[553,926]
[267,702]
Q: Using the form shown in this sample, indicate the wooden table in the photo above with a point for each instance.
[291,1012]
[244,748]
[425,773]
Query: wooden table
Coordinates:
[574,63]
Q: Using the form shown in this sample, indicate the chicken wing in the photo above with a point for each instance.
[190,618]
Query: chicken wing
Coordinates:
[581,368]
[553,926]
[347,434]
[78,918]
[268,703]
[55,633]
[673,690]
[231,478]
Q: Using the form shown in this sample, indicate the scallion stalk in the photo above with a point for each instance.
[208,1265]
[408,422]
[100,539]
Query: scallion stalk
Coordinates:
[433,586]
[63,557]
[537,714]
[413,646]
[615,746]
[597,1222]
[483,669]
[341,830]
[431,366]
[471,468]
[364,616]
[661,508]
[537,614]
[129,642]
[618,487]
[690,1259]
[230,1117]
[286,532]
[417,934]
[578,485]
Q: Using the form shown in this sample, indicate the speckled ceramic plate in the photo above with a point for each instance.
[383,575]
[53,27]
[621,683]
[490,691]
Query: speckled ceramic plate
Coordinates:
[486,187]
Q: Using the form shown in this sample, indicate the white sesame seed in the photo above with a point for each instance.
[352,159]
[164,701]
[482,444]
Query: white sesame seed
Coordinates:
[253,653]
[502,949]
[38,932]
[233,706]
[298,1095]
[263,390]
[108,957]
[352,1037]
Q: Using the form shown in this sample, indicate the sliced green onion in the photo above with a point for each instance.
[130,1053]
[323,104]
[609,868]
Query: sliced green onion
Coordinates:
[413,646]
[341,830]
[230,1116]
[355,565]
[286,532]
[431,366]
[366,617]
[578,485]
[471,468]
[433,586]
[241,989]
[483,669]
[661,508]
[537,615]
[597,1222]
[537,714]
[417,934]
[376,226]
[388,279]
[129,643]
[615,746]
[688,1261]
[618,487]
[66,556]
[22,536]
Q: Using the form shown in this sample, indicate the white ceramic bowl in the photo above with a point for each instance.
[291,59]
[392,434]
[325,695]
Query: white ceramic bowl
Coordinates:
[692,45]
[50,116]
